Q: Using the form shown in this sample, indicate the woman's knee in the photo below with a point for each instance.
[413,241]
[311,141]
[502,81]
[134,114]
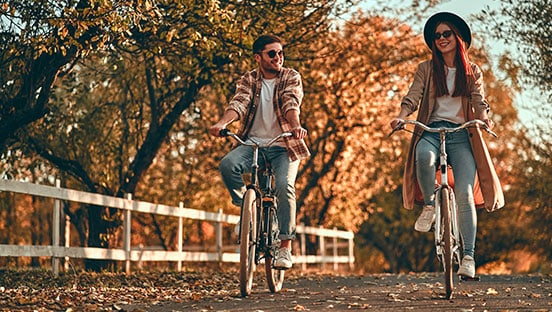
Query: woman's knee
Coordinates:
[426,158]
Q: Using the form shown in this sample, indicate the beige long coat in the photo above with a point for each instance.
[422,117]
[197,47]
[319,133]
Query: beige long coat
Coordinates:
[421,97]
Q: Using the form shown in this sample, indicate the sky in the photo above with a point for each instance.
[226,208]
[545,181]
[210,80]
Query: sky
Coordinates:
[467,9]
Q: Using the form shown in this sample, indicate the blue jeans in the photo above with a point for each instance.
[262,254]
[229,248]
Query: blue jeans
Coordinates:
[238,162]
[460,157]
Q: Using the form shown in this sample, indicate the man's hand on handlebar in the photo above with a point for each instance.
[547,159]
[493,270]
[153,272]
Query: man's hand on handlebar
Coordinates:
[299,132]
[216,129]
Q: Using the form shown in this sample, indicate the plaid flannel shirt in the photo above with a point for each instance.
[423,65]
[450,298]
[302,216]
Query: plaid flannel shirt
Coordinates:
[288,95]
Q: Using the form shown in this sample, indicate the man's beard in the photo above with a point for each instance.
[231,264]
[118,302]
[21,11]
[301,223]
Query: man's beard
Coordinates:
[274,71]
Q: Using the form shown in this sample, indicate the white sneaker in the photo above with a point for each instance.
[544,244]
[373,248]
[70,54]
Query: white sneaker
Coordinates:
[426,219]
[467,268]
[283,259]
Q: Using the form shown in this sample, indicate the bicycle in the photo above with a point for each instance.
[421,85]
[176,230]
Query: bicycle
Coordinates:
[258,231]
[448,239]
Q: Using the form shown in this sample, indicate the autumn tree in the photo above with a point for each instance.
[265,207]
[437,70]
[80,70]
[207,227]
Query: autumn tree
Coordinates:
[41,41]
[359,71]
[111,115]
[527,25]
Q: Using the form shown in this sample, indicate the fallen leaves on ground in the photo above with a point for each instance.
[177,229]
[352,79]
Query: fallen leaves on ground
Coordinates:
[216,289]
[40,290]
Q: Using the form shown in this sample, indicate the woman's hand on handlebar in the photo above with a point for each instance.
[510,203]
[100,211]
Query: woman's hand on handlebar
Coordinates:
[396,123]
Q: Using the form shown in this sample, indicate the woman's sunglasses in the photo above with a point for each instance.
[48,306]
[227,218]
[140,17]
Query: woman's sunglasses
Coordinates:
[445,34]
[273,53]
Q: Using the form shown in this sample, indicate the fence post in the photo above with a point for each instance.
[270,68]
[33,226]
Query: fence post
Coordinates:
[218,225]
[322,247]
[56,231]
[127,232]
[67,234]
[303,246]
[179,238]
[351,254]
[335,252]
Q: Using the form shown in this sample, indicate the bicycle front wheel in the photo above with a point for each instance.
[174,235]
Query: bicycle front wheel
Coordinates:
[447,241]
[274,277]
[248,228]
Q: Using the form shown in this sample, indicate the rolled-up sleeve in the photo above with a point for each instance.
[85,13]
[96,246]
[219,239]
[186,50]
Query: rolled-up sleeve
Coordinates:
[244,93]
[292,94]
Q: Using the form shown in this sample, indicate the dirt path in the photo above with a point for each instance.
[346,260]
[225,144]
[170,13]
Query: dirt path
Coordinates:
[415,292]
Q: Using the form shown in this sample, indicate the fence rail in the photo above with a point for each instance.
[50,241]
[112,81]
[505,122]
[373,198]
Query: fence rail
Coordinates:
[140,254]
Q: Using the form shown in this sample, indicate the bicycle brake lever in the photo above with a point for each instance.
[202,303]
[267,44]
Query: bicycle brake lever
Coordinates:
[397,128]
[491,132]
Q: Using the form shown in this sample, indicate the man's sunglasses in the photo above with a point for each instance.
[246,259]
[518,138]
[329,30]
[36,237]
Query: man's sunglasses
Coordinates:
[273,53]
[445,34]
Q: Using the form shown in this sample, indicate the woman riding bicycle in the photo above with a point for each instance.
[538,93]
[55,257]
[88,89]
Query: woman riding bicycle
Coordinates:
[448,91]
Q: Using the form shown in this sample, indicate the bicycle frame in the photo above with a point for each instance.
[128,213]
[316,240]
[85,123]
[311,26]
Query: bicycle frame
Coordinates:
[254,182]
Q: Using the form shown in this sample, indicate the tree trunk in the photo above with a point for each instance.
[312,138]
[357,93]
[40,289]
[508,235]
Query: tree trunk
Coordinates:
[97,237]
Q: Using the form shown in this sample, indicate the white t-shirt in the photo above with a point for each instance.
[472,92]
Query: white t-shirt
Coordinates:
[265,125]
[448,108]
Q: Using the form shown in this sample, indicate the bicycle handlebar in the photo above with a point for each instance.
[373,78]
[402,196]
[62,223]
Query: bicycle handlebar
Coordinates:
[474,122]
[226,132]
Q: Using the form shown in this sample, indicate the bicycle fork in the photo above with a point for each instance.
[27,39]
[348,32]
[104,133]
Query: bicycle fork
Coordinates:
[455,230]
[438,224]
[437,194]
[453,213]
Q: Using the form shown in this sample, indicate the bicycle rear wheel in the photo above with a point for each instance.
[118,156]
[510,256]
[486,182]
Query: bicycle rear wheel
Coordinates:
[447,241]
[274,277]
[247,242]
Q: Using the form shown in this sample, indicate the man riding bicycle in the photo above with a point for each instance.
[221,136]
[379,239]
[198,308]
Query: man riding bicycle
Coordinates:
[267,102]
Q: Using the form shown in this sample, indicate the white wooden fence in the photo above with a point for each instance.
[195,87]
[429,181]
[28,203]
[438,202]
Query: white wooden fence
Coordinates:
[138,254]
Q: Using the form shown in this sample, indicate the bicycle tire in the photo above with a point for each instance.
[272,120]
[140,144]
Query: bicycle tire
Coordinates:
[247,242]
[447,242]
[458,243]
[274,277]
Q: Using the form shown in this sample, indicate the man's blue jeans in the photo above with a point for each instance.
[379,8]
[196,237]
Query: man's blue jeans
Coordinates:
[460,157]
[238,162]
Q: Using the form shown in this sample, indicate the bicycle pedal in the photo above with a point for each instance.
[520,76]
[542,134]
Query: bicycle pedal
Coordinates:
[469,279]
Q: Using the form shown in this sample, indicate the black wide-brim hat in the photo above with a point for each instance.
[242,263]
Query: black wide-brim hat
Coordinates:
[457,21]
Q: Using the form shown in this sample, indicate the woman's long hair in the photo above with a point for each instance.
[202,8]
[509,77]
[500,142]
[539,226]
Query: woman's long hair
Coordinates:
[464,72]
